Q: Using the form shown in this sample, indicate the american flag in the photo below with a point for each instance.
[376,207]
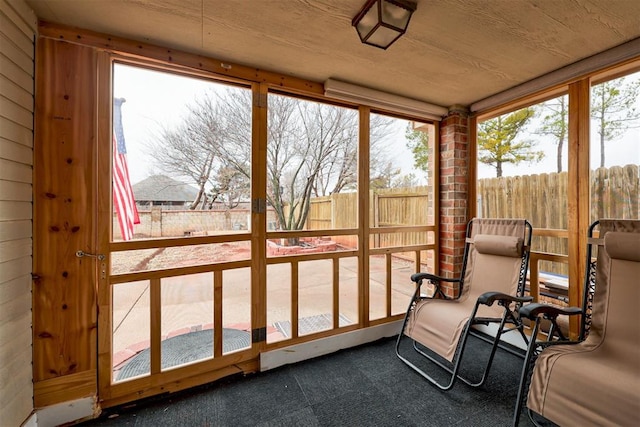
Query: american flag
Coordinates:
[123,200]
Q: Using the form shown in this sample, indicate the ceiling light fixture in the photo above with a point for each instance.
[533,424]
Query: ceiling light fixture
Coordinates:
[382,22]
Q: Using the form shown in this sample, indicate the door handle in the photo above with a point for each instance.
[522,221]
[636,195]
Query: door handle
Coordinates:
[99,257]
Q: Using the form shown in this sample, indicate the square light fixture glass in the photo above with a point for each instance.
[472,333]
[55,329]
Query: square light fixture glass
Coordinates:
[382,22]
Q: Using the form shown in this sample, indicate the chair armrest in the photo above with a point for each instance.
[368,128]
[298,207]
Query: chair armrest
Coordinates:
[419,277]
[488,298]
[531,311]
[435,280]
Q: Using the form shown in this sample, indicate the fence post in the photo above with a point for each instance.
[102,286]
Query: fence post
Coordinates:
[156,221]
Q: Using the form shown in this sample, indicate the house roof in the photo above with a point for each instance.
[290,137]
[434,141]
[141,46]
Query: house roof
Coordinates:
[160,188]
[454,52]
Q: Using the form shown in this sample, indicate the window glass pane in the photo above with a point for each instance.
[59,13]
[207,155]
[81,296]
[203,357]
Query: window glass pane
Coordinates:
[402,175]
[348,291]
[522,171]
[181,155]
[312,154]
[278,302]
[236,309]
[131,330]
[402,288]
[615,148]
[377,287]
[186,319]
[178,256]
[312,164]
[315,296]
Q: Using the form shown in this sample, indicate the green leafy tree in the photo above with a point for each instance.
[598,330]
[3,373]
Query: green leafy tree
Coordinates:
[498,141]
[418,143]
[556,123]
[614,109]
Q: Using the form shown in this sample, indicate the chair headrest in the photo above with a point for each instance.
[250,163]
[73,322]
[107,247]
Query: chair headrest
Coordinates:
[624,246]
[491,244]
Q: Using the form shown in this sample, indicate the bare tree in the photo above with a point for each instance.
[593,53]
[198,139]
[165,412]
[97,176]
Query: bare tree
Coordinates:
[208,148]
[556,123]
[312,150]
[387,177]
[332,134]
[614,109]
[189,149]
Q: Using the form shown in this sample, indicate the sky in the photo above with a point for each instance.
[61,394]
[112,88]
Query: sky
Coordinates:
[155,99]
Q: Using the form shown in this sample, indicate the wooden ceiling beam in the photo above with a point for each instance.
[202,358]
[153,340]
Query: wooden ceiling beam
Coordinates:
[188,60]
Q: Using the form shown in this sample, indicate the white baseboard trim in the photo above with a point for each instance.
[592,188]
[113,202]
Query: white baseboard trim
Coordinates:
[32,421]
[67,412]
[320,347]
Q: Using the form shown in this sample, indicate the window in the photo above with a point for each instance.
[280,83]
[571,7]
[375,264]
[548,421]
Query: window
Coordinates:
[522,171]
[182,150]
[312,175]
[401,172]
[615,148]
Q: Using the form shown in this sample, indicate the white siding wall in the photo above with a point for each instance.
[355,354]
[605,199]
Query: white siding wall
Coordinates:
[18,25]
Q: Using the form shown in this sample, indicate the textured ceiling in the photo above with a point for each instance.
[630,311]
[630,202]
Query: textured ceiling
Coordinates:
[454,52]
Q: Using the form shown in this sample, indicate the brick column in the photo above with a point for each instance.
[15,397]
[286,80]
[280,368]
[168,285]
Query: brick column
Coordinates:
[454,167]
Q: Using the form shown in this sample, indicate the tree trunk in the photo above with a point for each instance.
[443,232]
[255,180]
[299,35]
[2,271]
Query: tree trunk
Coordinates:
[196,202]
[559,154]
[601,149]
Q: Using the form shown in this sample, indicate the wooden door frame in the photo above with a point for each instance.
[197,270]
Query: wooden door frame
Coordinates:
[172,380]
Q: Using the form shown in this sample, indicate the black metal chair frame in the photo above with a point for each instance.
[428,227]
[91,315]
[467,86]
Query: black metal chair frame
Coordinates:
[536,312]
[510,316]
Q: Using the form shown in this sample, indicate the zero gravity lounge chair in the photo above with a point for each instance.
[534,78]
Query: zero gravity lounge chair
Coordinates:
[594,380]
[490,290]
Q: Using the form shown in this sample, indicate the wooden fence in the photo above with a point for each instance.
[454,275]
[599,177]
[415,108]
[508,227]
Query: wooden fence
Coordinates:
[614,192]
[542,199]
[389,208]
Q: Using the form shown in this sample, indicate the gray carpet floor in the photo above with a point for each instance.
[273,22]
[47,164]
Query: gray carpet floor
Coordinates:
[362,386]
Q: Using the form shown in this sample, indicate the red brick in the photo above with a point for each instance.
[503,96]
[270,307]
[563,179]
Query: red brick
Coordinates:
[446,251]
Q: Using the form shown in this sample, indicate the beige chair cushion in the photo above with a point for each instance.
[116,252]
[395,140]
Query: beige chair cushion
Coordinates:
[438,324]
[510,246]
[622,246]
[597,382]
